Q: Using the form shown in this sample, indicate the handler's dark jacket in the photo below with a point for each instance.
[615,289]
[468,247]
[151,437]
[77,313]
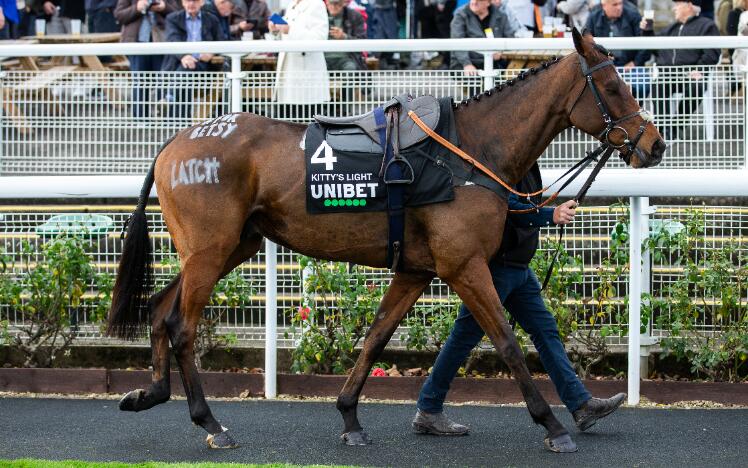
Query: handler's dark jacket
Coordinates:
[695,26]
[522,231]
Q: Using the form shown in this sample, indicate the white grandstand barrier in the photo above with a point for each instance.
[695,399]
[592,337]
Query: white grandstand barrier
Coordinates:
[114,122]
[609,183]
[378,45]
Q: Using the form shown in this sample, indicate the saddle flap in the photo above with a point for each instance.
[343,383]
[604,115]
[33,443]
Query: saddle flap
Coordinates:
[352,139]
[427,109]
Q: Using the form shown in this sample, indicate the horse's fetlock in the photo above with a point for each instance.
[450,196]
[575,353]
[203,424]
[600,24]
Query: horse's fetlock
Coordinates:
[345,403]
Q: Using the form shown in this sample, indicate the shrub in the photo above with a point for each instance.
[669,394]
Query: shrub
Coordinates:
[683,310]
[50,296]
[332,324]
[439,322]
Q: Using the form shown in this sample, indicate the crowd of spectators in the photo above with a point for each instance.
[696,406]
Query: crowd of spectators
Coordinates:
[304,78]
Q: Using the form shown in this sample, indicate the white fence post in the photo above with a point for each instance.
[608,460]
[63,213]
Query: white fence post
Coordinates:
[271,320]
[488,78]
[745,118]
[635,296]
[646,340]
[236,77]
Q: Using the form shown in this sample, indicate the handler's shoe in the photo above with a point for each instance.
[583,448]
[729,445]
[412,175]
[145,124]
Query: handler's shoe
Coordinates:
[596,408]
[437,424]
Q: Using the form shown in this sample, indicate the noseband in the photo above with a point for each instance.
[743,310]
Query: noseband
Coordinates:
[610,124]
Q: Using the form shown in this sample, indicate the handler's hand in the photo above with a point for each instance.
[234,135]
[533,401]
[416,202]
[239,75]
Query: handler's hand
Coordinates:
[564,214]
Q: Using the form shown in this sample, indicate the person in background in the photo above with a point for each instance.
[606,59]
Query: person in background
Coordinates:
[231,17]
[143,21]
[519,291]
[101,16]
[688,22]
[345,23]
[257,14]
[530,13]
[8,16]
[733,18]
[619,18]
[302,81]
[434,17]
[707,9]
[385,25]
[60,12]
[189,25]
[479,19]
[577,11]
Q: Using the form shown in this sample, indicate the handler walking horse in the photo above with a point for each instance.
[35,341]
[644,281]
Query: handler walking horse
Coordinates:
[242,179]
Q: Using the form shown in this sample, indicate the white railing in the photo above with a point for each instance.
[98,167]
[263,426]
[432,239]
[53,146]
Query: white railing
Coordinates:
[718,119]
[78,122]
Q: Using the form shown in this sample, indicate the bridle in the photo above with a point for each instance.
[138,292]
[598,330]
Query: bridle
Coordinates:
[610,124]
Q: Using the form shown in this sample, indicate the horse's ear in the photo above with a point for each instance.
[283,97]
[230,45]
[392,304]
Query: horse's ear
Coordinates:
[578,42]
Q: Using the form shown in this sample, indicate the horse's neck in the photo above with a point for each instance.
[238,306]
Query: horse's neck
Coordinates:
[509,130]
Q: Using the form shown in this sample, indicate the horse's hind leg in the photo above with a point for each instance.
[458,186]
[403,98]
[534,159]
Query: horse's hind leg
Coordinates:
[404,291]
[200,274]
[474,285]
[161,305]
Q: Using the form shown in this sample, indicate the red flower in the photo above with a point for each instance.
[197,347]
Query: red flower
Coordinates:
[304,312]
[378,372]
[371,287]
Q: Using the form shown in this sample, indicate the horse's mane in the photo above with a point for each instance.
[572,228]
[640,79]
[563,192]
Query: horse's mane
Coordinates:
[499,87]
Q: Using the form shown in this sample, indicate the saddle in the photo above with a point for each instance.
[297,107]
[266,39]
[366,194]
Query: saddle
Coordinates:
[360,133]
[387,130]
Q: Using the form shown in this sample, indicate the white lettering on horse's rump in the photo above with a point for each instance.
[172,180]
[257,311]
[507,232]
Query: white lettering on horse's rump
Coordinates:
[195,171]
[220,126]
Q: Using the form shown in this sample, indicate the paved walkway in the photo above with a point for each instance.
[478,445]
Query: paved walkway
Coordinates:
[307,433]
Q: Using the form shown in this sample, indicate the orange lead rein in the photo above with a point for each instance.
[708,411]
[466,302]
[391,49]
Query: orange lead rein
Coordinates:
[444,142]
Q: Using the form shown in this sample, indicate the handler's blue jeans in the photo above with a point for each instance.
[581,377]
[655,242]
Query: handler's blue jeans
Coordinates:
[519,292]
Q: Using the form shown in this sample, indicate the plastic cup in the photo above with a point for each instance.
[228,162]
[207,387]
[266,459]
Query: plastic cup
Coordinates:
[649,18]
[248,36]
[41,26]
[75,27]
[548,29]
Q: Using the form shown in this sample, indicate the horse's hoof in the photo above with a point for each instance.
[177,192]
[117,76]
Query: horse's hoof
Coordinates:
[130,402]
[222,440]
[356,438]
[560,444]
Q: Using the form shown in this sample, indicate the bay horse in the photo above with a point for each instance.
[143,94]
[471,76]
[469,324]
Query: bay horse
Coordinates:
[224,188]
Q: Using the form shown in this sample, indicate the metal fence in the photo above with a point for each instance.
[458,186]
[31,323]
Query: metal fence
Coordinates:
[588,238]
[68,122]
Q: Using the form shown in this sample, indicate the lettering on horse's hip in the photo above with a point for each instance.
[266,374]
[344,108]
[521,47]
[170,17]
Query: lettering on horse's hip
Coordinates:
[222,126]
[195,171]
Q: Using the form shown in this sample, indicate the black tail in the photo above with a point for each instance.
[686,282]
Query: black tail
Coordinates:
[134,285]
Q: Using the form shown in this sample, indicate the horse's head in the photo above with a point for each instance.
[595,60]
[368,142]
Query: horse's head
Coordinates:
[606,109]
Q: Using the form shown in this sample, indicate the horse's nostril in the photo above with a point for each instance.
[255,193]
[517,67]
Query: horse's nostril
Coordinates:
[658,149]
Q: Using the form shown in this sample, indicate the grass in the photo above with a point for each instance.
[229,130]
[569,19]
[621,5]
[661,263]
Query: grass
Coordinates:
[29,463]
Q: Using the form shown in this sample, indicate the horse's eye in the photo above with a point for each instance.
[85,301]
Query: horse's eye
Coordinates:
[612,88]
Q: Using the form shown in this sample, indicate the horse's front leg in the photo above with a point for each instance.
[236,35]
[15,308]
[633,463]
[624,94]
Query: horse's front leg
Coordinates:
[159,392]
[473,283]
[404,291]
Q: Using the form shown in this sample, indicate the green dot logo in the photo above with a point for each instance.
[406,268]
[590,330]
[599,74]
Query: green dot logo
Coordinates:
[356,202]
[363,202]
[334,203]
[349,202]
[341,202]
[327,202]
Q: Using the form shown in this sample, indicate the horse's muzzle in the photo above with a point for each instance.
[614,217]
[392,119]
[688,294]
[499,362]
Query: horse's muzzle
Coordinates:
[649,159]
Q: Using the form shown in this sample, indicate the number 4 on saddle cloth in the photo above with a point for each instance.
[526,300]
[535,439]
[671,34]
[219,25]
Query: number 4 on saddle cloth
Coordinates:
[348,168]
